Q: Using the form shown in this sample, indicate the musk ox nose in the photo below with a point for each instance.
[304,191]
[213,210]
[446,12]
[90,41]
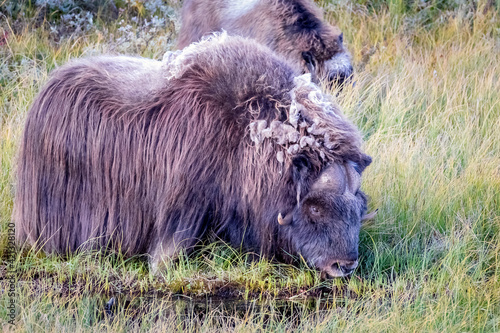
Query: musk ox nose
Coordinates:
[339,268]
[346,266]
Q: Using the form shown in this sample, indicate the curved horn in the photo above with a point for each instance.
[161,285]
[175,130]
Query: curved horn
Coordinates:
[369,216]
[285,221]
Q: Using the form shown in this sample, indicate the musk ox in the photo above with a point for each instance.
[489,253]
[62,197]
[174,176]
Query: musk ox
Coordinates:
[223,138]
[295,29]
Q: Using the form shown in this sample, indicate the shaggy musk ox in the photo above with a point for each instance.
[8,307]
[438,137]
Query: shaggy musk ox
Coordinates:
[222,138]
[295,29]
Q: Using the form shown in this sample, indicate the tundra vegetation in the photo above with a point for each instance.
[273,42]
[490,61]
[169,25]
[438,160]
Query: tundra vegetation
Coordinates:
[426,97]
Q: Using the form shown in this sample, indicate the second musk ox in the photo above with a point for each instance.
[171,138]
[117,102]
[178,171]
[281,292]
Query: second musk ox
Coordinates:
[223,138]
[295,29]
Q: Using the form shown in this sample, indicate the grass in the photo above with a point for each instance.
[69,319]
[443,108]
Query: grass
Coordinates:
[427,98]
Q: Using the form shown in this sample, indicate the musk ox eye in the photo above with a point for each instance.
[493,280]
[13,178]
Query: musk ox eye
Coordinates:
[314,210]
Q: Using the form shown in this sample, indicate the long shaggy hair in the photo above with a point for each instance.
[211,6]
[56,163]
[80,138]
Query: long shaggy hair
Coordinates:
[146,156]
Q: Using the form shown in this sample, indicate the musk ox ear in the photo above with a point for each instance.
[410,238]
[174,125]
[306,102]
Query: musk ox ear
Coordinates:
[310,64]
[301,167]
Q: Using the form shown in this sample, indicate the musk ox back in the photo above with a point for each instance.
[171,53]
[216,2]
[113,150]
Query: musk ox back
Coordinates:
[295,29]
[223,137]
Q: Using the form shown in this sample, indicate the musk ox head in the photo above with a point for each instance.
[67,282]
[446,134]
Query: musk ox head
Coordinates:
[294,29]
[330,62]
[323,217]
[320,46]
[324,225]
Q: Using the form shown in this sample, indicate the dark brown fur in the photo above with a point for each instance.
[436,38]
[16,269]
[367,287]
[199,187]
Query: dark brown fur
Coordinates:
[118,152]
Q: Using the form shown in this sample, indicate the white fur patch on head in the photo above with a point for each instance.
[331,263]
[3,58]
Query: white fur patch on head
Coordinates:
[175,63]
[237,9]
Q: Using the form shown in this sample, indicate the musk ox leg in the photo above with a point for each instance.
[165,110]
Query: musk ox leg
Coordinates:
[177,236]
[164,253]
[168,251]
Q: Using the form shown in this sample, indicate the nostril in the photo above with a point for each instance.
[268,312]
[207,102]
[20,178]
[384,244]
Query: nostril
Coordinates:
[339,268]
[341,38]
[347,266]
[346,270]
